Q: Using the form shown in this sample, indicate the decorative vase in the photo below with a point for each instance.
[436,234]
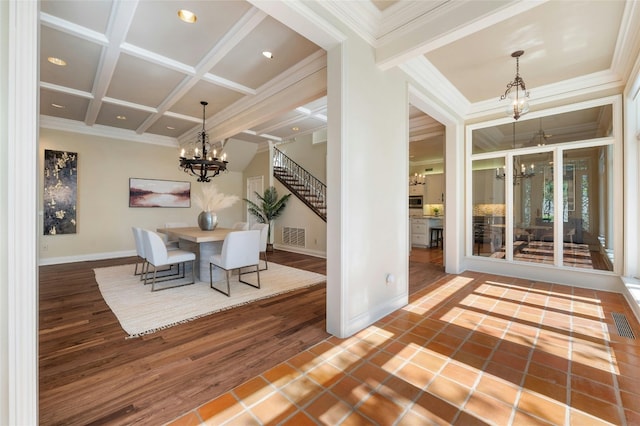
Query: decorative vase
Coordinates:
[207,221]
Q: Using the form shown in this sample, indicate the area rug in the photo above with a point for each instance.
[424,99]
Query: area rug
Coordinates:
[141,312]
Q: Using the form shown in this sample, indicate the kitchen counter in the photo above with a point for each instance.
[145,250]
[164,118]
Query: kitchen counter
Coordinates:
[421,229]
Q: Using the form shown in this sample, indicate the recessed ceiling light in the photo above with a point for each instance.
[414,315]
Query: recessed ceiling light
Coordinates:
[58,106]
[187,16]
[267,54]
[171,128]
[121,117]
[295,129]
[57,61]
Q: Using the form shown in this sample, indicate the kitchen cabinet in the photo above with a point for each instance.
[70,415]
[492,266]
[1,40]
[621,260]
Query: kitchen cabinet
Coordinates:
[421,229]
[435,189]
[417,190]
[486,188]
[419,232]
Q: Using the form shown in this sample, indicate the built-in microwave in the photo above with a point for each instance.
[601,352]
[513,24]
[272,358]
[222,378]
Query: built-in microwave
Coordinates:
[415,201]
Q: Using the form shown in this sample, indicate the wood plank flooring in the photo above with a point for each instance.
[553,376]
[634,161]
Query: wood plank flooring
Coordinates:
[91,374]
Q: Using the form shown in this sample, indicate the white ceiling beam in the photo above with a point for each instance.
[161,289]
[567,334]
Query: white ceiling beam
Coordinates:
[299,16]
[119,22]
[443,26]
[235,35]
[300,75]
[67,90]
[73,29]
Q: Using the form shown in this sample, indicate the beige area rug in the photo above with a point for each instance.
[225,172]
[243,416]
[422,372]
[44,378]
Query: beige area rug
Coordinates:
[142,312]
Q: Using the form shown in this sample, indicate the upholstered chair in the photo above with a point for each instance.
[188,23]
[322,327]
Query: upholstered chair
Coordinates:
[240,249]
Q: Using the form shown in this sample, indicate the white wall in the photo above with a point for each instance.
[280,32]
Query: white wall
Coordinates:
[367,187]
[312,157]
[104,218]
[298,215]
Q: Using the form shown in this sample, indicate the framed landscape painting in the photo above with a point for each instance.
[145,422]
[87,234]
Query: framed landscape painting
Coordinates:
[159,193]
[60,192]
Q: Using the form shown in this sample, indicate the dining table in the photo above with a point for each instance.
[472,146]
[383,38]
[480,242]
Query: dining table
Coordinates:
[203,243]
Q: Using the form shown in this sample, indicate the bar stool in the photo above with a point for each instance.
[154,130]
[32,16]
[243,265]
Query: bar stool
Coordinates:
[436,237]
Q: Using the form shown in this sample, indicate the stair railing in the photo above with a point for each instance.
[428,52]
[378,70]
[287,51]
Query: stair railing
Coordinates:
[311,184]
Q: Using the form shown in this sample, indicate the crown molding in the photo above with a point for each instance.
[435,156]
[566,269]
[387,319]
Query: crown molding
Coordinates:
[427,77]
[588,85]
[302,19]
[628,41]
[361,17]
[74,126]
[443,25]
[297,74]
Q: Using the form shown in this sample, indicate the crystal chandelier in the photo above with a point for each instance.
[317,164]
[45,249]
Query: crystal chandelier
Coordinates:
[516,92]
[198,159]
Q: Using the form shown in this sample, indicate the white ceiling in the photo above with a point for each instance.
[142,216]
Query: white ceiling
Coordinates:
[138,60]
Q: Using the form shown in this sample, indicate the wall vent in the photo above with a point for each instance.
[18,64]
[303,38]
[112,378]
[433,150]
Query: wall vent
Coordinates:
[293,236]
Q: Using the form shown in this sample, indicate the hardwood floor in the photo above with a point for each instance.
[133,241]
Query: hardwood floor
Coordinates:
[91,374]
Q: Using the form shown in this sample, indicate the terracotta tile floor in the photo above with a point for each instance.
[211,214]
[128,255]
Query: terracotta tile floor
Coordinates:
[470,349]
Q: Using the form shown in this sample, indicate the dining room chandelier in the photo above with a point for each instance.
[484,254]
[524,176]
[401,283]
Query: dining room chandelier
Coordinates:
[417,179]
[516,92]
[520,171]
[199,159]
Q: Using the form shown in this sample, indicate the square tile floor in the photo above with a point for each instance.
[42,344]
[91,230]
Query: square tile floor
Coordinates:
[469,349]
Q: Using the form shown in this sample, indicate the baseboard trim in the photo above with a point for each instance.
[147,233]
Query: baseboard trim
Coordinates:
[365,319]
[314,253]
[85,257]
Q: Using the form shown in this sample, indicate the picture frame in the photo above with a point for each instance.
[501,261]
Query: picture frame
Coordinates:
[60,191]
[154,193]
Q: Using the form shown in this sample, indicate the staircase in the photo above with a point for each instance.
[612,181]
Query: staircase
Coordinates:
[301,183]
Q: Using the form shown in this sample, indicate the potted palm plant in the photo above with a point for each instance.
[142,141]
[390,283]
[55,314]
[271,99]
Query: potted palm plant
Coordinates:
[268,208]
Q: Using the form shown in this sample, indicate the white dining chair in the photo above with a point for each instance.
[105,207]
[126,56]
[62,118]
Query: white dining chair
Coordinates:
[142,259]
[264,231]
[239,249]
[172,242]
[157,256]
[240,226]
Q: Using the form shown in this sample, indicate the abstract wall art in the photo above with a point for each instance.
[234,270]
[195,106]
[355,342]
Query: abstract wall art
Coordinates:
[159,193]
[60,192]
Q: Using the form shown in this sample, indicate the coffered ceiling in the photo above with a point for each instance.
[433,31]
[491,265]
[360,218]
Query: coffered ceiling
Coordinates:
[135,70]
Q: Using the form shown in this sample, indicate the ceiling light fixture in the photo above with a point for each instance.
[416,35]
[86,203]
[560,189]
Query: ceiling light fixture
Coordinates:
[57,61]
[518,98]
[121,117]
[520,171]
[540,138]
[58,106]
[417,179]
[267,54]
[197,159]
[187,16]
[295,129]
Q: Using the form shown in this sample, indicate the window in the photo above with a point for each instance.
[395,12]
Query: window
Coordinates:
[524,210]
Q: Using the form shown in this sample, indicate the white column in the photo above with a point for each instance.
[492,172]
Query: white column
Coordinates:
[368,161]
[18,184]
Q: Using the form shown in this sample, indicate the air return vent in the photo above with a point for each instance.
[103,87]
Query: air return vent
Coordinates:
[293,236]
[622,325]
